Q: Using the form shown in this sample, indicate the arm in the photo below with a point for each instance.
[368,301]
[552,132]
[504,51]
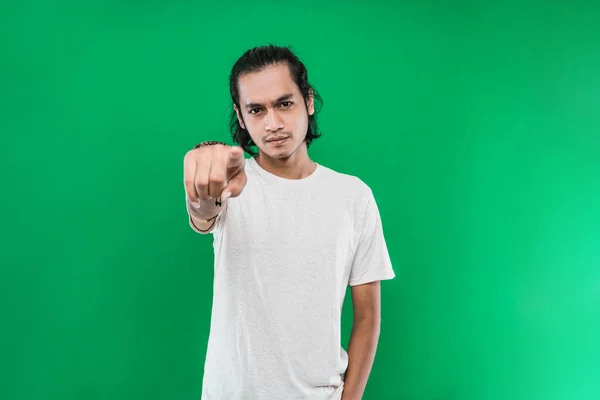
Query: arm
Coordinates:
[363,339]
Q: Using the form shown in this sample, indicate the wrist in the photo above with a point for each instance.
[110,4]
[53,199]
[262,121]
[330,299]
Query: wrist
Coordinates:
[204,209]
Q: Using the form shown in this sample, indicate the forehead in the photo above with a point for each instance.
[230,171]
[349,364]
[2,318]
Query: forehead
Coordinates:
[267,84]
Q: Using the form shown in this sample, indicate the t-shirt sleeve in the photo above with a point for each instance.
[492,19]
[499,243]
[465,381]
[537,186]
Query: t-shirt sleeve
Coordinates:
[371,260]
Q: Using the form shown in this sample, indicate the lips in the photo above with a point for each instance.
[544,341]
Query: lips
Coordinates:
[277,138]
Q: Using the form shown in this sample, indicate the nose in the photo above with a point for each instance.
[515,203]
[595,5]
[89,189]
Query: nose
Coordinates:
[273,122]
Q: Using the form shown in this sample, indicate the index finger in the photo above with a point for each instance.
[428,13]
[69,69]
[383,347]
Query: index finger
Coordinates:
[235,158]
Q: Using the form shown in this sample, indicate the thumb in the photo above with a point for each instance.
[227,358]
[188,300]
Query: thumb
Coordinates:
[234,186]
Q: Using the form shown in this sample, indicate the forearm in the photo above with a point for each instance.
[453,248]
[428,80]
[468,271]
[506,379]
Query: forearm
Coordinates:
[361,354]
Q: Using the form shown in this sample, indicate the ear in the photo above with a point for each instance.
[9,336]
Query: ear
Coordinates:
[239,117]
[310,103]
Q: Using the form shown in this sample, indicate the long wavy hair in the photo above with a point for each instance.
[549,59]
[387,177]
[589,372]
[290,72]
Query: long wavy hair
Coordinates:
[256,59]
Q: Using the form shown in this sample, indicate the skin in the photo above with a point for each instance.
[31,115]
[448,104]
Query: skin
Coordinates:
[366,303]
[272,105]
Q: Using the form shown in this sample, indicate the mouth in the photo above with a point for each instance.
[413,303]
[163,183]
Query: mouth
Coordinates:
[278,140]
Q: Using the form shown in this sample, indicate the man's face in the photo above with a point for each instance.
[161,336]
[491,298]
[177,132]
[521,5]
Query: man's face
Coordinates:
[271,107]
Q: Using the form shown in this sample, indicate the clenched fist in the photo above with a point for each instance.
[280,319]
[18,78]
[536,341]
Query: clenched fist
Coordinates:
[214,172]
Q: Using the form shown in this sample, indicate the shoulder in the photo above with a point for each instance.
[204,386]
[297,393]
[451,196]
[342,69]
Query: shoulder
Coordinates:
[346,184]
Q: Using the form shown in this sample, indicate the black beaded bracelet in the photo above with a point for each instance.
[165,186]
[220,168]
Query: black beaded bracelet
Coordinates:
[208,143]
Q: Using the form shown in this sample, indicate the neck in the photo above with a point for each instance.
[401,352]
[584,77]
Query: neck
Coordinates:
[296,166]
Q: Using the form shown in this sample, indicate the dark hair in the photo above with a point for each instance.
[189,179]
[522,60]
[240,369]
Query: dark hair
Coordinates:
[256,59]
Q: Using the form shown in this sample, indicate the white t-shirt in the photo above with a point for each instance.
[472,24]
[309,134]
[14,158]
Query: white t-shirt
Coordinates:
[285,252]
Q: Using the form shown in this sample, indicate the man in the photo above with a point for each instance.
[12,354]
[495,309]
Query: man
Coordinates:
[289,236]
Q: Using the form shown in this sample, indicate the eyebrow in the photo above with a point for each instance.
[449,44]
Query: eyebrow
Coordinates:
[279,100]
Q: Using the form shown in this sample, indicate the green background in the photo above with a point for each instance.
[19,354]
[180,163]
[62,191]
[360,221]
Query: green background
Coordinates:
[477,125]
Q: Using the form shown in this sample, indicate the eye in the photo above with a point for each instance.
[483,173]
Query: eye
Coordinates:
[286,104]
[254,111]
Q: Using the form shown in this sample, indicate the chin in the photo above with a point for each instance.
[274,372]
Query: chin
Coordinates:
[279,154]
[283,152]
